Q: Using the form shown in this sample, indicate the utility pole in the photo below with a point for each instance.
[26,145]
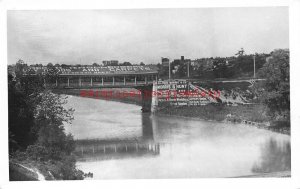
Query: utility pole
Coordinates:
[254,65]
[188,69]
[169,70]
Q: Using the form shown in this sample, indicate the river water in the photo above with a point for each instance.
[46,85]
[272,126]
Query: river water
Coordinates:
[126,143]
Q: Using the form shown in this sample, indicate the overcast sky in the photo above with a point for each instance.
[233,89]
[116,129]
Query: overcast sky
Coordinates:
[143,35]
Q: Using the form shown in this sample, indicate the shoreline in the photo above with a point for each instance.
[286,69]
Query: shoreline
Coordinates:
[279,174]
[224,121]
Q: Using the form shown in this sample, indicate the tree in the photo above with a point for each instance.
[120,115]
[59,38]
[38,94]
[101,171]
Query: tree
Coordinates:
[220,68]
[276,89]
[50,115]
[19,68]
[95,64]
[240,52]
[127,64]
[51,74]
[20,116]
[36,128]
[49,64]
[142,64]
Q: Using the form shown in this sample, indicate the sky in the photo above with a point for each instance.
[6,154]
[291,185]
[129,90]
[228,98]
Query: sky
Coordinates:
[143,35]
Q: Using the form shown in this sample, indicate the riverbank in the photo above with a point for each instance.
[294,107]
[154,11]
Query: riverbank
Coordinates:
[281,174]
[249,114]
[26,169]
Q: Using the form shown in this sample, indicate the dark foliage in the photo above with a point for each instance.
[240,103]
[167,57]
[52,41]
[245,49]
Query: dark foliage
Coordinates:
[36,117]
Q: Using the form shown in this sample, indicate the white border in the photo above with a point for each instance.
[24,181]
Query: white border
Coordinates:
[293,182]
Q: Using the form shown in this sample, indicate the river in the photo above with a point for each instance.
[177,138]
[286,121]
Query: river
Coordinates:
[131,144]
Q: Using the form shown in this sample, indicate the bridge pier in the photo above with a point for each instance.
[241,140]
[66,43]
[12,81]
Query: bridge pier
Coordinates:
[154,99]
[146,94]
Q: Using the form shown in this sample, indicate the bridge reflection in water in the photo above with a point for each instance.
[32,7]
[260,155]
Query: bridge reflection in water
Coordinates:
[105,149]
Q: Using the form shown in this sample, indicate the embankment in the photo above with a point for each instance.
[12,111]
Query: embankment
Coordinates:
[252,114]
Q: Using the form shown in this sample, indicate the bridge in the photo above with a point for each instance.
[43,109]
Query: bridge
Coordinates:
[143,78]
[97,77]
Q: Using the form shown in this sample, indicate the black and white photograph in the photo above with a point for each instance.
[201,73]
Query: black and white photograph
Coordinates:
[148,93]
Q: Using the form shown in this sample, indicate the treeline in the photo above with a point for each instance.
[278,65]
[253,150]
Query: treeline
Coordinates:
[83,65]
[36,129]
[240,66]
[275,91]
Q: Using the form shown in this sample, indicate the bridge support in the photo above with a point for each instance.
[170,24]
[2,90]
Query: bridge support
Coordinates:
[68,82]
[113,80]
[124,80]
[102,82]
[134,80]
[79,81]
[56,82]
[154,99]
[146,93]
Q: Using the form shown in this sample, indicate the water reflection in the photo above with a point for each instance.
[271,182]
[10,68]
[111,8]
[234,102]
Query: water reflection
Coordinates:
[99,149]
[147,127]
[275,156]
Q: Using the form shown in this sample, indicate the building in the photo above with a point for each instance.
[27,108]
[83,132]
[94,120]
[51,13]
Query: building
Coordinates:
[165,62]
[110,62]
[181,61]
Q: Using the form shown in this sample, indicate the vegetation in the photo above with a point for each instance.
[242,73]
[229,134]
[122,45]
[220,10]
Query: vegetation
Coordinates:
[272,95]
[239,66]
[36,131]
[275,92]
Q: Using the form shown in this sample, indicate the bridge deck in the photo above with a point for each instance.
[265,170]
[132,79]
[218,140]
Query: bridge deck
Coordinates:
[99,85]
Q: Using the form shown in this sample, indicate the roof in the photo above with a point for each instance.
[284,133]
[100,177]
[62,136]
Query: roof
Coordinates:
[98,70]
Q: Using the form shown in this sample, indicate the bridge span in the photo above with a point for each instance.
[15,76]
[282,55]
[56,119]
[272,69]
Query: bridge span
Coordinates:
[97,77]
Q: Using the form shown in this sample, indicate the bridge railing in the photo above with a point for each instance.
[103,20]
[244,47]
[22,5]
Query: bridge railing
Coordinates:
[96,84]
